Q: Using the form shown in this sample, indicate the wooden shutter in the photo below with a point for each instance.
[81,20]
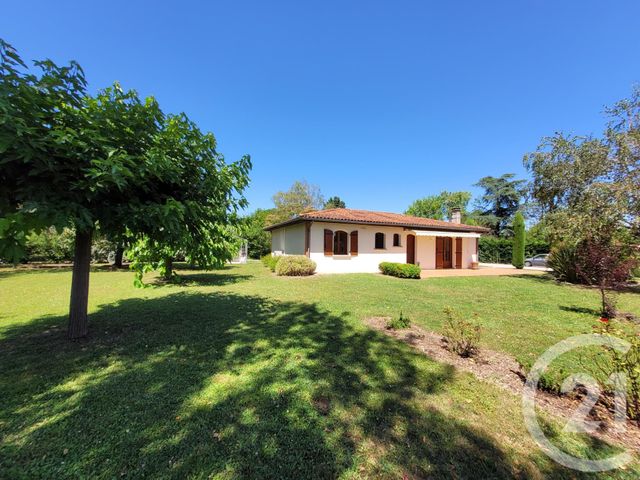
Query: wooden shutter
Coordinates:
[439,252]
[354,243]
[458,252]
[328,243]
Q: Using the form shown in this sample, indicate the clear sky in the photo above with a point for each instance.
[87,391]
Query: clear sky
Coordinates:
[377,102]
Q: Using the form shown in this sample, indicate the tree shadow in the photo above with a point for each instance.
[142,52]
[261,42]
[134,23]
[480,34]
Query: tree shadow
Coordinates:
[197,385]
[577,309]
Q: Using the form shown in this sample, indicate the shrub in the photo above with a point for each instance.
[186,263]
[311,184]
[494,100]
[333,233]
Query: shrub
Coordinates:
[51,246]
[399,323]
[462,335]
[517,259]
[400,270]
[295,266]
[562,261]
[270,261]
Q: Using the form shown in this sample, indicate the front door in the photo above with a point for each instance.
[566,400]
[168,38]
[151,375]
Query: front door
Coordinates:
[411,249]
[443,252]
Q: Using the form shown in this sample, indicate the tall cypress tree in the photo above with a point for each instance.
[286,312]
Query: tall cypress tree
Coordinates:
[517,258]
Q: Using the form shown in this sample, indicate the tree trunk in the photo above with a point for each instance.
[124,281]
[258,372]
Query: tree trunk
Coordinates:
[78,324]
[117,261]
[168,268]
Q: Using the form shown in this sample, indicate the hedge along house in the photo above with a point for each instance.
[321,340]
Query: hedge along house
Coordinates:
[342,240]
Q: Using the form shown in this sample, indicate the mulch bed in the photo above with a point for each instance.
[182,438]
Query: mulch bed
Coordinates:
[503,371]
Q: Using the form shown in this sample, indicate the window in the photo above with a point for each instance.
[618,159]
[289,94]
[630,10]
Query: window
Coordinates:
[396,239]
[379,240]
[340,243]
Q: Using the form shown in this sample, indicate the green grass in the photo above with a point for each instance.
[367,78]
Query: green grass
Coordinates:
[241,373]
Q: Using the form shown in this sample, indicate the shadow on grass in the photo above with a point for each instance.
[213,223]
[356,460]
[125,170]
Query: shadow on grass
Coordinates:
[577,309]
[237,386]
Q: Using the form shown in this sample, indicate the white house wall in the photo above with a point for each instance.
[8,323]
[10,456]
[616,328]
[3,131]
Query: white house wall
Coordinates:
[368,257]
[290,240]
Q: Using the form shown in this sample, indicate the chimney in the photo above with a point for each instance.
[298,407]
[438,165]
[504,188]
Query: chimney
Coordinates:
[456,216]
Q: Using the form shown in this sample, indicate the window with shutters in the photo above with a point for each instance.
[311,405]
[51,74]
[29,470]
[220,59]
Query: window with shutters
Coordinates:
[379,240]
[340,243]
[396,239]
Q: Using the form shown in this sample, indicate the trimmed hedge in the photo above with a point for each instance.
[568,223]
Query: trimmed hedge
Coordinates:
[519,237]
[295,266]
[500,250]
[270,261]
[400,270]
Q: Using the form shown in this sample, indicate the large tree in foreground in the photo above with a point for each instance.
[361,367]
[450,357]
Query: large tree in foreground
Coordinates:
[113,161]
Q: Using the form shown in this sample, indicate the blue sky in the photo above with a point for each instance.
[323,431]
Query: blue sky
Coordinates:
[377,102]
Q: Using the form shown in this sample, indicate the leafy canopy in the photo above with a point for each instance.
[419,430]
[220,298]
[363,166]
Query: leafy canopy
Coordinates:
[439,206]
[301,197]
[501,199]
[334,202]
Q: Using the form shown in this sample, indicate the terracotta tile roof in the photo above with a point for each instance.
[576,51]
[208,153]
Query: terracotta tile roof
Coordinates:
[348,215]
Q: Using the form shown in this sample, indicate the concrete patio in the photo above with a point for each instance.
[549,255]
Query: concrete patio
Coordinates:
[485,270]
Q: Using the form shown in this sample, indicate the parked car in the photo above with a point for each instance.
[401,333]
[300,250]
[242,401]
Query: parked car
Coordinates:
[536,260]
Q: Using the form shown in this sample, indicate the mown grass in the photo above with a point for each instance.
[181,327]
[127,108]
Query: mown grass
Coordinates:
[240,373]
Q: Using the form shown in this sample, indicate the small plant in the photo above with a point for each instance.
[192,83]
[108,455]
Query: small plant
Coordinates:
[562,261]
[400,270]
[399,323]
[270,261]
[626,363]
[462,336]
[295,266]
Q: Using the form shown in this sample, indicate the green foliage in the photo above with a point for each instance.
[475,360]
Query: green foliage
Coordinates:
[50,246]
[462,335]
[399,323]
[439,206]
[253,231]
[501,199]
[519,237]
[500,250]
[270,261]
[295,266]
[334,202]
[301,197]
[400,270]
[563,260]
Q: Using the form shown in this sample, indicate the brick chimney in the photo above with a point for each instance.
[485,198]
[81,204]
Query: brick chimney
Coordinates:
[456,216]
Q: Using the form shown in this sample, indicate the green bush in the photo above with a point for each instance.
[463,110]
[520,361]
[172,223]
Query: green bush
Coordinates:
[399,323]
[51,246]
[462,335]
[295,266]
[400,270]
[563,260]
[270,261]
[517,259]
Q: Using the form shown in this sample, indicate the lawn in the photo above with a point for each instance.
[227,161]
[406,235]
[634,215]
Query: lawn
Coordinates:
[239,373]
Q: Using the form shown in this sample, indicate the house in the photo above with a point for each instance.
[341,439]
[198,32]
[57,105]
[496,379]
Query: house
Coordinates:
[343,240]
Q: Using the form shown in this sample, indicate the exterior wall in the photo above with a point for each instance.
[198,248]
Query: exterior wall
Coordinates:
[368,257]
[288,240]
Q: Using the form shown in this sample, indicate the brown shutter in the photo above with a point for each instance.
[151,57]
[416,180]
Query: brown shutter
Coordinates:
[328,243]
[458,252]
[354,243]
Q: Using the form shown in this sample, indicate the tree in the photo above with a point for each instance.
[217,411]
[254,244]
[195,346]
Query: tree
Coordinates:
[334,202]
[518,241]
[301,197]
[258,240]
[501,199]
[439,206]
[606,265]
[113,161]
